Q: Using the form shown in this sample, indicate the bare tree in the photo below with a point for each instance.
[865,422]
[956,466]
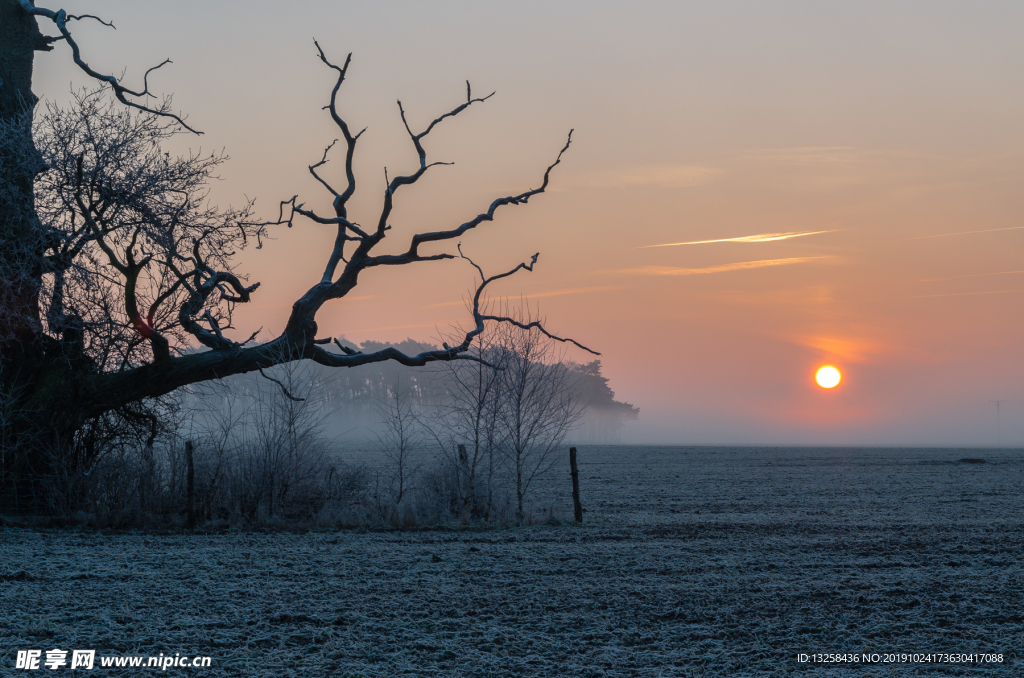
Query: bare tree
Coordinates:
[539,403]
[125,264]
[284,438]
[400,439]
[470,421]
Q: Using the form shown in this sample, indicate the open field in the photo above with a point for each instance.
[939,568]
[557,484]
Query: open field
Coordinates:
[693,561]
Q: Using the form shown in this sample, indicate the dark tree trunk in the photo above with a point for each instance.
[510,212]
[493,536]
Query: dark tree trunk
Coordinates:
[23,362]
[20,236]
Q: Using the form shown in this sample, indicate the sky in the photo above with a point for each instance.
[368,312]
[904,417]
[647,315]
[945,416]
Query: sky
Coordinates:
[754,189]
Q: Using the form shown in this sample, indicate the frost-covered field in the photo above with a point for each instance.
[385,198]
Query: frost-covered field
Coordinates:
[693,561]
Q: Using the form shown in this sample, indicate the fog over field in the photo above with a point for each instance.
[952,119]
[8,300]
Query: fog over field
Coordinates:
[351,406]
[691,562]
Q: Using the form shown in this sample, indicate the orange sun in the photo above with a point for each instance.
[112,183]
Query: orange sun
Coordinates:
[828,377]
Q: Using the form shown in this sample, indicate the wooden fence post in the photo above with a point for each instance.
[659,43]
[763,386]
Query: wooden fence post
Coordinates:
[576,506]
[190,487]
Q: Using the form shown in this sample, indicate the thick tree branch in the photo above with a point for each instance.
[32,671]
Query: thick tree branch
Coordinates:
[60,19]
[394,184]
[350,139]
[198,294]
[520,199]
[417,138]
[448,353]
[130,271]
[340,203]
[504,319]
[302,326]
[406,258]
[537,325]
[339,220]
[167,294]
[79,17]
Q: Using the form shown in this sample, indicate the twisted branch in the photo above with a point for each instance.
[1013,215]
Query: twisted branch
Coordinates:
[504,319]
[60,19]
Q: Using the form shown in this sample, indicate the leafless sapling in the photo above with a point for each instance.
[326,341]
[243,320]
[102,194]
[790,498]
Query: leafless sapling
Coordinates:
[538,403]
[400,440]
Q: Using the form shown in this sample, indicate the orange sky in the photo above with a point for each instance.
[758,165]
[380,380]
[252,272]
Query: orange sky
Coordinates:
[890,136]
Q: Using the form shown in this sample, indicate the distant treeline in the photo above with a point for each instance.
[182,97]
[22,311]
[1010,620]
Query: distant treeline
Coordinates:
[351,398]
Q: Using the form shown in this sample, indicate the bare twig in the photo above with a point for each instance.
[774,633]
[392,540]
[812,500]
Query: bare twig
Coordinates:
[284,389]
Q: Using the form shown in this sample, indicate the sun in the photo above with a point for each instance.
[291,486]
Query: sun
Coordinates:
[828,377]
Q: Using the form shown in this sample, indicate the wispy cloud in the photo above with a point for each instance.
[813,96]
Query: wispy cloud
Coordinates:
[969,275]
[542,295]
[663,176]
[947,235]
[760,237]
[739,266]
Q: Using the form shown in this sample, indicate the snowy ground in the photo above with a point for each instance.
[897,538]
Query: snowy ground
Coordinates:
[703,562]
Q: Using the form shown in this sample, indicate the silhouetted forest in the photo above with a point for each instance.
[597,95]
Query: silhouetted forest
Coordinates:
[349,399]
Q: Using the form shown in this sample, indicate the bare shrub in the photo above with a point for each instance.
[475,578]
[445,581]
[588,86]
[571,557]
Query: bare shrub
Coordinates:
[465,428]
[401,438]
[273,459]
[538,403]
